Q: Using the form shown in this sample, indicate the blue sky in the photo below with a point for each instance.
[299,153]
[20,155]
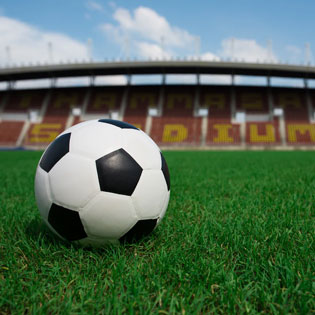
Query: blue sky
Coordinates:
[215,29]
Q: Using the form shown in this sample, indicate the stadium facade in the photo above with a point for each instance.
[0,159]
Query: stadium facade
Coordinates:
[175,116]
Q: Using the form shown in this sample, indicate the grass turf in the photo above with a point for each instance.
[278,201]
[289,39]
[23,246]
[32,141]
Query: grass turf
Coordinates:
[238,237]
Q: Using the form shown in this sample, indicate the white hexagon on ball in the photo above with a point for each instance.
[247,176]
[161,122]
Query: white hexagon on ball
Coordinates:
[108,216]
[95,140]
[102,181]
[150,194]
[73,181]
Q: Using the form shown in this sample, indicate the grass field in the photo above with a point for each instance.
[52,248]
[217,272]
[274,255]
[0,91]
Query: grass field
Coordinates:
[238,237]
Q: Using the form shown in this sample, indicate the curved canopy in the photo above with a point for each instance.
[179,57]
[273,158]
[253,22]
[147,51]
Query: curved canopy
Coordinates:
[155,67]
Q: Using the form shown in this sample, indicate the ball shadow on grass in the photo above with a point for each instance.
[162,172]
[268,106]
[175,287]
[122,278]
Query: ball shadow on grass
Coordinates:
[39,233]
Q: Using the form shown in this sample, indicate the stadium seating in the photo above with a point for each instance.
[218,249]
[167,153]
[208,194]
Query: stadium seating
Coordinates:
[138,103]
[254,101]
[251,99]
[220,130]
[103,100]
[56,116]
[21,101]
[299,130]
[10,132]
[177,125]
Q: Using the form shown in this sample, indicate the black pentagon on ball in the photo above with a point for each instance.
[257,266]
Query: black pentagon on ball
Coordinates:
[118,123]
[66,222]
[56,150]
[141,229]
[118,173]
[166,173]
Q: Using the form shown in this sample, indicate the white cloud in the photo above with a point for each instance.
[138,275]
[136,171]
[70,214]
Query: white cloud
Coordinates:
[24,43]
[149,34]
[94,6]
[148,24]
[146,34]
[153,51]
[208,56]
[245,50]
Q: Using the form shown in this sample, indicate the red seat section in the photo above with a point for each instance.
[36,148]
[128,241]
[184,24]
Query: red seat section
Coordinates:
[103,100]
[63,100]
[9,132]
[217,100]
[22,101]
[251,99]
[139,100]
[299,130]
[220,129]
[177,126]
[56,116]
[293,102]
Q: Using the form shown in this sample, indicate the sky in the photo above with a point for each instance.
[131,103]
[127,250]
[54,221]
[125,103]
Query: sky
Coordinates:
[53,31]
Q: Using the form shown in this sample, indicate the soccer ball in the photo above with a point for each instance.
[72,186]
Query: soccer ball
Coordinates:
[102,181]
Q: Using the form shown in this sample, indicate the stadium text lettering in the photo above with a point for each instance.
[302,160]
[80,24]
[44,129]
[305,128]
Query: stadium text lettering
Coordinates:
[179,101]
[289,100]
[251,101]
[174,133]
[223,133]
[44,133]
[267,136]
[140,100]
[65,100]
[101,100]
[214,100]
[297,130]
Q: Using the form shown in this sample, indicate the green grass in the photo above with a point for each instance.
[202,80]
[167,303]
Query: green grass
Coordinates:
[238,237]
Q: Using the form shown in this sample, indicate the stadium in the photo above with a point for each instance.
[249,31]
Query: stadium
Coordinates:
[232,175]
[174,115]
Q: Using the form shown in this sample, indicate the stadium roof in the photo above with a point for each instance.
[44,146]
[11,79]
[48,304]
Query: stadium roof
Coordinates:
[155,67]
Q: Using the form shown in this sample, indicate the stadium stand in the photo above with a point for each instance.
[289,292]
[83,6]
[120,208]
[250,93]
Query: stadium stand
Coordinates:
[57,108]
[177,124]
[10,132]
[261,127]
[262,133]
[220,129]
[140,99]
[103,101]
[298,128]
[22,101]
[171,114]
[16,109]
[252,99]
